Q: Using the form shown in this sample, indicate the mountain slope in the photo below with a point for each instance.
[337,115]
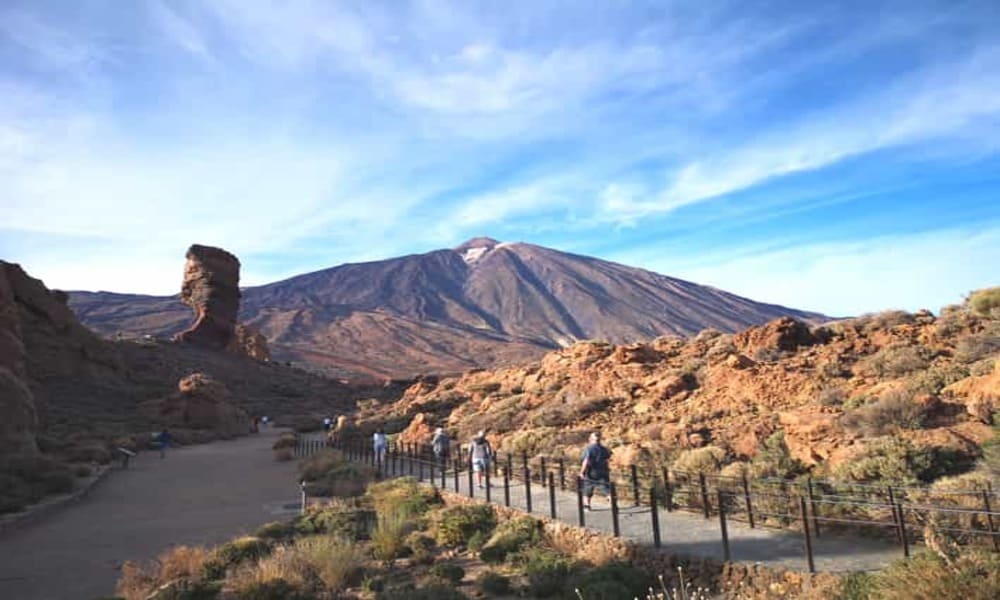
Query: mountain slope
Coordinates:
[482,304]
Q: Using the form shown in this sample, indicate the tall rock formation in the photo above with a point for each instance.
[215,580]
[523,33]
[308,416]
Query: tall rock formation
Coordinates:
[18,419]
[212,289]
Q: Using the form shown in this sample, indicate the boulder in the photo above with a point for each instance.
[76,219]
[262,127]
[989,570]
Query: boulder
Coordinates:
[200,402]
[249,342]
[980,395]
[784,334]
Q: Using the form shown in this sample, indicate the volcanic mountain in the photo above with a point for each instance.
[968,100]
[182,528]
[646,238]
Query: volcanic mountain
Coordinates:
[482,304]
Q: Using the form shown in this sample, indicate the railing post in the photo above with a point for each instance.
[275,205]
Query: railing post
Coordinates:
[705,506]
[655,513]
[746,499]
[722,526]
[812,506]
[409,460]
[805,530]
[552,495]
[506,487]
[902,530]
[527,484]
[579,502]
[444,474]
[895,514]
[486,474]
[472,493]
[420,470]
[668,490]
[510,465]
[456,464]
[634,472]
[543,472]
[989,520]
[614,511]
[302,487]
[562,473]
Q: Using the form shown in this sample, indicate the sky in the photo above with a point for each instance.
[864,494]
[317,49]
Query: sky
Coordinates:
[842,157]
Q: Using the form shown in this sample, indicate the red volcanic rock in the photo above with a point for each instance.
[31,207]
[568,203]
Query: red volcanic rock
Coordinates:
[18,420]
[200,402]
[212,288]
[784,334]
[248,342]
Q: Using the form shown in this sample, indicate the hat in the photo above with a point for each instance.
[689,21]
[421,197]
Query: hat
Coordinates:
[439,430]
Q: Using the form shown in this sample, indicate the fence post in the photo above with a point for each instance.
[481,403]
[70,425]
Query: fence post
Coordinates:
[527,484]
[902,530]
[812,506]
[302,487]
[895,514]
[562,473]
[472,493]
[579,502]
[552,495]
[746,499]
[706,508]
[805,530]
[722,526]
[510,465]
[420,470]
[989,520]
[655,512]
[456,464]
[506,487]
[634,472]
[489,495]
[543,472]
[614,510]
[668,490]
[444,473]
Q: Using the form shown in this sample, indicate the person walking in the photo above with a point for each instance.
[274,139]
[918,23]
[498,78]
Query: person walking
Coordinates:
[162,441]
[441,446]
[480,455]
[380,443]
[595,470]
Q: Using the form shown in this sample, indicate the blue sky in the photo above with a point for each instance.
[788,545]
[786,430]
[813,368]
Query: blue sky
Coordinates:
[841,157]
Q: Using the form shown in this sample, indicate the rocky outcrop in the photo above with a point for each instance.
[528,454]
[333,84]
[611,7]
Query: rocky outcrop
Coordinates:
[18,420]
[212,289]
[249,342]
[980,395]
[783,335]
[200,402]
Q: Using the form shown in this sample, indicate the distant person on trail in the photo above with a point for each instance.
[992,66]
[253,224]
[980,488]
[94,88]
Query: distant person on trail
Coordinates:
[327,423]
[480,454]
[264,420]
[162,441]
[255,424]
[441,446]
[380,444]
[595,471]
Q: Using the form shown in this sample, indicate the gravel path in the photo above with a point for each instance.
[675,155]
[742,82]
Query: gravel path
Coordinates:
[202,494]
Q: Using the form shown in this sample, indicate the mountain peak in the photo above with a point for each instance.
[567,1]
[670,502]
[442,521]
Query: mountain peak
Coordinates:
[476,243]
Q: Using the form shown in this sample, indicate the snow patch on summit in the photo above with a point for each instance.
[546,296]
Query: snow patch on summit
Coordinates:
[472,255]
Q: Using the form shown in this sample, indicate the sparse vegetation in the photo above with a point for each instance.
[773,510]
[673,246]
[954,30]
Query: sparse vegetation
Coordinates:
[700,460]
[896,361]
[973,575]
[456,525]
[887,460]
[894,410]
[985,302]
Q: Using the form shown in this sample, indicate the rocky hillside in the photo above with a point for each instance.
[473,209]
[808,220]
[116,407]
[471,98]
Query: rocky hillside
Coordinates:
[891,396]
[482,304]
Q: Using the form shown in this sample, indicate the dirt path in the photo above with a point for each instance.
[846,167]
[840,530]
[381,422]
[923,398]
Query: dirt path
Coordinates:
[197,495]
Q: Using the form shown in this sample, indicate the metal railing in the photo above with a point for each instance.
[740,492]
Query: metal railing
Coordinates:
[811,507]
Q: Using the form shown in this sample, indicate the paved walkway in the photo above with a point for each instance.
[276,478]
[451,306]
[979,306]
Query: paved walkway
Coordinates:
[689,534]
[202,494]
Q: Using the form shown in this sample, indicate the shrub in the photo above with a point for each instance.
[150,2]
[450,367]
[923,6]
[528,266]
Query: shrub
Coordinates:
[283,454]
[285,441]
[328,474]
[775,460]
[346,521]
[546,571]
[403,497]
[321,463]
[388,537]
[509,537]
[136,581]
[857,586]
[434,591]
[700,460]
[420,547]
[182,562]
[493,584]
[976,347]
[895,409]
[896,361]
[985,302]
[974,575]
[276,530]
[240,550]
[272,589]
[448,572]
[335,560]
[936,378]
[613,581]
[888,460]
[831,396]
[457,524]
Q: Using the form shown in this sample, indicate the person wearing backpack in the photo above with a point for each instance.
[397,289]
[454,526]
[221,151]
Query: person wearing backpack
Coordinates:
[480,454]
[595,471]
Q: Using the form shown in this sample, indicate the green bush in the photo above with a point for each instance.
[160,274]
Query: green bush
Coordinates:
[402,496]
[775,460]
[434,591]
[509,537]
[936,378]
[857,586]
[275,589]
[896,361]
[974,575]
[700,460]
[976,347]
[546,571]
[895,409]
[420,547]
[613,581]
[240,550]
[493,584]
[388,538]
[985,302]
[346,521]
[456,525]
[448,572]
[276,530]
[887,460]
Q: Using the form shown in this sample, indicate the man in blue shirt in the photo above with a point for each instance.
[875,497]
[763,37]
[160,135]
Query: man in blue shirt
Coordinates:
[595,472]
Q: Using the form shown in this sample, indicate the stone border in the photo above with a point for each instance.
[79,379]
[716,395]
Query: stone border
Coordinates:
[36,511]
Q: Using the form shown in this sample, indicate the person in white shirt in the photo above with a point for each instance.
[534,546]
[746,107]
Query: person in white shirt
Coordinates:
[380,443]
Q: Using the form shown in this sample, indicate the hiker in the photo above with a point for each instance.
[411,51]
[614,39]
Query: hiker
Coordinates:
[327,423]
[441,446]
[380,444]
[255,424]
[480,454]
[162,441]
[595,471]
[264,420]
